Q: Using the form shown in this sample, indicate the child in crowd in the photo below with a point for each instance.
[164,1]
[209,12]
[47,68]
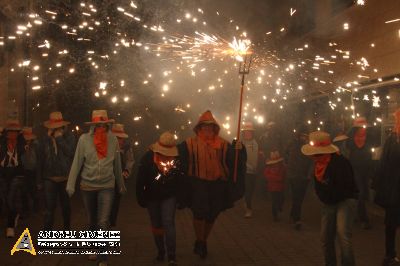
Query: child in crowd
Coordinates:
[275,173]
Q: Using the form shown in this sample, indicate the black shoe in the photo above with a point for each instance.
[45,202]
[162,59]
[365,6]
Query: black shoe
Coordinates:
[203,250]
[298,225]
[391,262]
[172,263]
[160,257]
[200,248]
[366,226]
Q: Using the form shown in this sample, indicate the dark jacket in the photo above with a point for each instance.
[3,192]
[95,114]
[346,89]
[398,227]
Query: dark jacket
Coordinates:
[338,182]
[298,164]
[387,181]
[360,158]
[19,170]
[152,185]
[56,165]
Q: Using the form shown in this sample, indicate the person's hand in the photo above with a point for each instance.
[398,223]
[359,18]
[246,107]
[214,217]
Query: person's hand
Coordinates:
[238,145]
[70,192]
[122,190]
[125,174]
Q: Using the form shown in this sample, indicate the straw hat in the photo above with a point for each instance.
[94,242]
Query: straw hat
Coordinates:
[27,132]
[274,157]
[56,121]
[208,119]
[100,117]
[166,145]
[360,122]
[340,137]
[320,143]
[13,125]
[118,131]
[248,126]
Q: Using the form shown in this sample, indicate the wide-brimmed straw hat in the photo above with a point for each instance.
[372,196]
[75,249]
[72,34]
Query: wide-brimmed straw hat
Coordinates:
[27,132]
[13,125]
[320,143]
[340,137]
[55,121]
[118,131]
[100,117]
[248,126]
[166,145]
[360,122]
[206,118]
[274,158]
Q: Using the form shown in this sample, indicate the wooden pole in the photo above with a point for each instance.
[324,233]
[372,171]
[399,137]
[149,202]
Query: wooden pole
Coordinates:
[244,69]
[238,129]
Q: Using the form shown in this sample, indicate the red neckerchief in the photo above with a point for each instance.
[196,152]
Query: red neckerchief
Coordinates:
[100,142]
[11,141]
[214,142]
[321,163]
[360,136]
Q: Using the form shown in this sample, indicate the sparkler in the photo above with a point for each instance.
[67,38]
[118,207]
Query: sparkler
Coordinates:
[167,166]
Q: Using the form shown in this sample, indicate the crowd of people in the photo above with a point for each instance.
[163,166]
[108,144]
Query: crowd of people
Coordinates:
[206,174]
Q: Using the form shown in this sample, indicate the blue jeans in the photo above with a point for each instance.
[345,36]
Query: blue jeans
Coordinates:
[299,188]
[162,217]
[362,181]
[98,208]
[13,188]
[56,191]
[337,220]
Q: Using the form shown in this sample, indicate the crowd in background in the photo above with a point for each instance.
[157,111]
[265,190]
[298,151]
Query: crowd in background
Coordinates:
[204,173]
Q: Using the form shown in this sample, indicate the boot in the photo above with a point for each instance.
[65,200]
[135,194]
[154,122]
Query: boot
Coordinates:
[199,229]
[201,249]
[391,262]
[159,240]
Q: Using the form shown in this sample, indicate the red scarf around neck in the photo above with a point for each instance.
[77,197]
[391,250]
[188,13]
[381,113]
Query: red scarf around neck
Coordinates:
[100,142]
[321,163]
[215,142]
[360,136]
[11,141]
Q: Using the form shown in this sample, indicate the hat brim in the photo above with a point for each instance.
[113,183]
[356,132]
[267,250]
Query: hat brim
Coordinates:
[248,129]
[313,150]
[52,125]
[121,135]
[110,121]
[156,147]
[274,161]
[340,138]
